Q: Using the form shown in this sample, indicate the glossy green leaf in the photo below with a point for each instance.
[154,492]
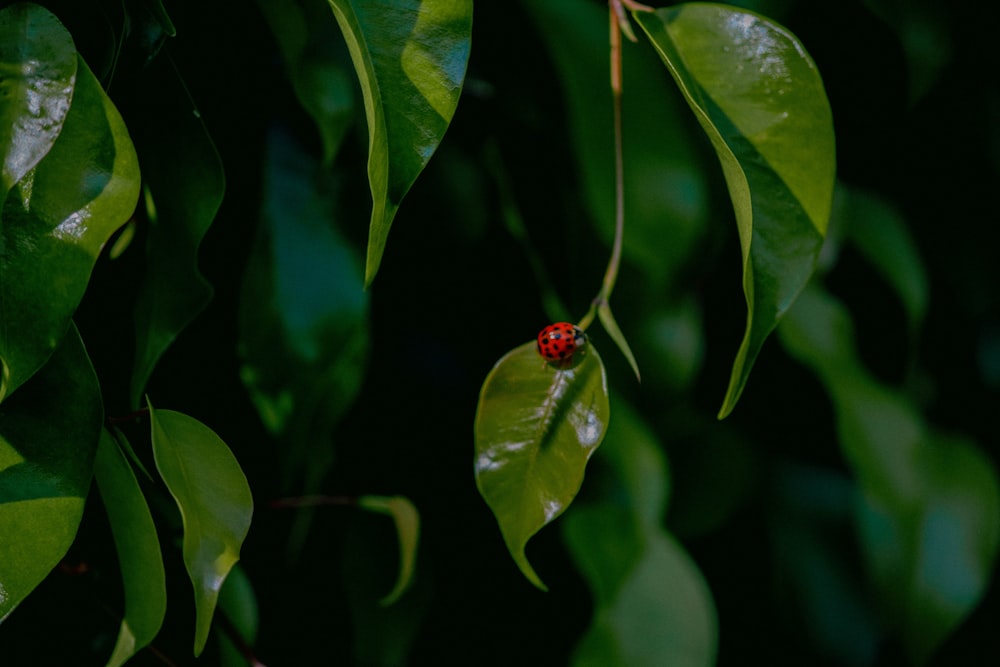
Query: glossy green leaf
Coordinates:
[651,604]
[760,100]
[215,503]
[238,602]
[319,78]
[536,427]
[930,512]
[55,223]
[410,58]
[407,520]
[303,319]
[184,187]
[138,551]
[37,75]
[666,196]
[48,438]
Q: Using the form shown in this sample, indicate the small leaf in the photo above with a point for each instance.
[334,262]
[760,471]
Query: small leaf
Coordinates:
[138,551]
[55,223]
[214,500]
[608,320]
[48,438]
[760,100]
[184,180]
[536,427]
[407,521]
[410,58]
[37,74]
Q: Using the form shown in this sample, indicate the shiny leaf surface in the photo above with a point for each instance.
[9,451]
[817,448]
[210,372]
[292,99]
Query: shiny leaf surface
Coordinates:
[930,513]
[138,551]
[37,76]
[410,58]
[536,427]
[48,438]
[214,500]
[407,520]
[55,223]
[651,604]
[185,183]
[759,97]
[666,197]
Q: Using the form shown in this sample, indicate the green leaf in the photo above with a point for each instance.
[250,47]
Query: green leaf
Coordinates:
[138,551]
[48,438]
[611,326]
[214,500]
[55,223]
[407,520]
[238,602]
[760,100]
[929,510]
[184,187]
[651,604]
[536,427]
[410,58]
[666,196]
[37,75]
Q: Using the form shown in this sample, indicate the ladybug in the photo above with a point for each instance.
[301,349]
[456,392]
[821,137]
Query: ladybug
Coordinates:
[557,342]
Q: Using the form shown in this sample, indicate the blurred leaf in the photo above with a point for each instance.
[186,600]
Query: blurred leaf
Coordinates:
[651,604]
[666,197]
[410,58]
[55,223]
[407,520]
[37,74]
[880,233]
[239,603]
[930,516]
[536,427]
[320,81]
[138,551]
[671,338]
[760,100]
[214,500]
[48,438]
[185,183]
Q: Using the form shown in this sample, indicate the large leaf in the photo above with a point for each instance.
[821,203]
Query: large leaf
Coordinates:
[760,100]
[666,196]
[138,551]
[536,427]
[929,510]
[55,222]
[651,604]
[37,75]
[214,500]
[410,57]
[48,438]
[184,180]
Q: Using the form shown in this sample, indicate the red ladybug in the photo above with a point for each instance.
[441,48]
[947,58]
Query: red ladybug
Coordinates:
[557,342]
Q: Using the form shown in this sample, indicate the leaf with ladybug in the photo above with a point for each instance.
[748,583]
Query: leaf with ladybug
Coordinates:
[537,424]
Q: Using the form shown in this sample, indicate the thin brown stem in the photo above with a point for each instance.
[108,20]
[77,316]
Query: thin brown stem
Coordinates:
[312,501]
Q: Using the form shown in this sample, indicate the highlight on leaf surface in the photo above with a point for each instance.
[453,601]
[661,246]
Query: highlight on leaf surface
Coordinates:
[536,427]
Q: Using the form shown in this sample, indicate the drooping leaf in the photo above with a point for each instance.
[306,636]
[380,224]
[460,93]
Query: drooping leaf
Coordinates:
[48,438]
[318,76]
[929,510]
[138,551]
[651,604]
[410,58]
[536,427]
[611,326]
[407,520]
[184,187]
[666,196]
[215,503]
[37,75]
[55,222]
[759,97]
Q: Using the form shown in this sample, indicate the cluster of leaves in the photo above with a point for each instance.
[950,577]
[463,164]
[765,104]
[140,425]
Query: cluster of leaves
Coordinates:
[320,361]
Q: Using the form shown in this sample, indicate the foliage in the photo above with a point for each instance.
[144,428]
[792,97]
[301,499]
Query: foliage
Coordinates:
[187,222]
